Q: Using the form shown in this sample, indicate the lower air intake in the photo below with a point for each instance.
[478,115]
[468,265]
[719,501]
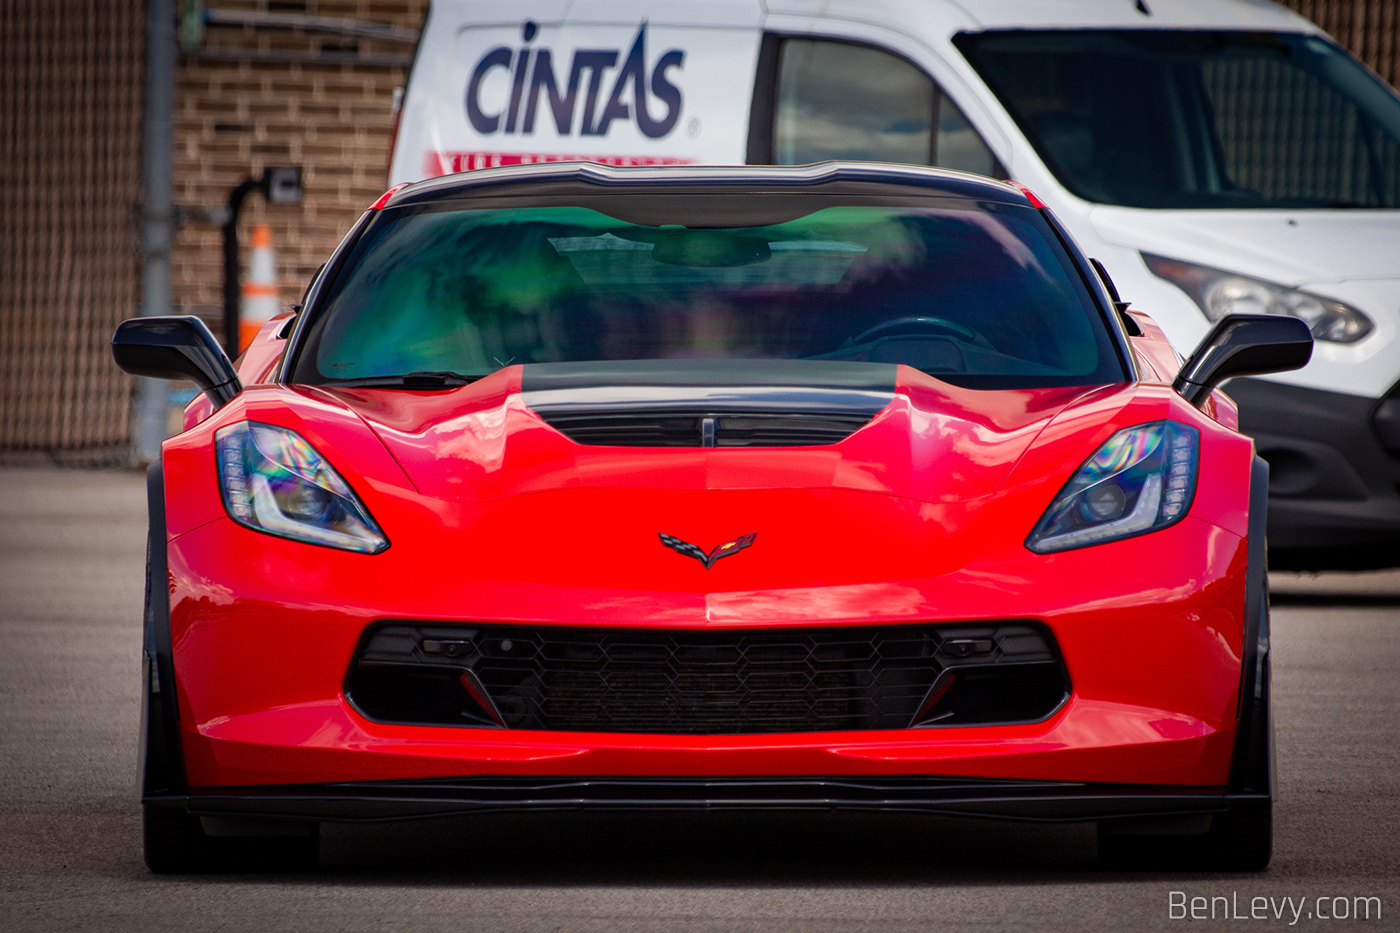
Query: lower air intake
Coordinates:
[681,682]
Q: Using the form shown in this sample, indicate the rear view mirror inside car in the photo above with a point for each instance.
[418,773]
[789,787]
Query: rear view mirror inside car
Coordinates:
[709,249]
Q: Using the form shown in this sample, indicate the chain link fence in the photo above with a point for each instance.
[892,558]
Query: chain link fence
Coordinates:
[70,150]
[1369,28]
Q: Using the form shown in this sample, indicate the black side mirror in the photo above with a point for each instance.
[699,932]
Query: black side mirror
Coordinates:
[176,348]
[1244,345]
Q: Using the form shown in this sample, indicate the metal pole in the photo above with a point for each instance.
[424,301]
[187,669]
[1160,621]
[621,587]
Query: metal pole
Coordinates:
[156,169]
[231,266]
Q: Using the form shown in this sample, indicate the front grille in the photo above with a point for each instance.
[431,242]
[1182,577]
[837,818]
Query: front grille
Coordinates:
[702,429]
[575,679]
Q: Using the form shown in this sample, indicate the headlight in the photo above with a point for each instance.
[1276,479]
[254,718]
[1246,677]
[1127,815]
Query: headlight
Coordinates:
[1219,293]
[274,481]
[1142,479]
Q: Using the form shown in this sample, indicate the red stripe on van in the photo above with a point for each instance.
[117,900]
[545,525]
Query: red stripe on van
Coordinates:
[447,163]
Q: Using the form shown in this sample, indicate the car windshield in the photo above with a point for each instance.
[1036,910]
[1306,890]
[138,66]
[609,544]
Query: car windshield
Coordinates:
[982,295]
[1175,119]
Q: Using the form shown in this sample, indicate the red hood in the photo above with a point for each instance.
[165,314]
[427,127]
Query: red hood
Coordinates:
[934,442]
[842,530]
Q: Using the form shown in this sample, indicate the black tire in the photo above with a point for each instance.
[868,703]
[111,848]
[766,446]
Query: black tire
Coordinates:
[173,841]
[1241,840]
[280,854]
[176,844]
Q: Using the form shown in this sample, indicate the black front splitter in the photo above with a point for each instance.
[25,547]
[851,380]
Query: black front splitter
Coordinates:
[1012,800]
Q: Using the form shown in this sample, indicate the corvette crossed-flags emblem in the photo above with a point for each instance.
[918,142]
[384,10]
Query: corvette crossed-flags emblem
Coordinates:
[694,550]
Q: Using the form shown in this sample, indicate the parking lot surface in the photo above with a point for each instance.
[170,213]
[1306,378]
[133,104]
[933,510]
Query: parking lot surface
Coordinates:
[71,578]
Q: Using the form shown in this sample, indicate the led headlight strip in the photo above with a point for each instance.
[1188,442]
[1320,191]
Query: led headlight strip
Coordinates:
[273,481]
[1142,479]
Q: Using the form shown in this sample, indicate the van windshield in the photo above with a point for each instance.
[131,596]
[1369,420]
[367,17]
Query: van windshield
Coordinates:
[981,295]
[1176,119]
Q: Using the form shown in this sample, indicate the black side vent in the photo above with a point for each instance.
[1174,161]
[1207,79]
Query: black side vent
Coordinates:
[704,429]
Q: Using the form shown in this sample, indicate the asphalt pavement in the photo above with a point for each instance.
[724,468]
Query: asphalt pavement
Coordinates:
[71,565]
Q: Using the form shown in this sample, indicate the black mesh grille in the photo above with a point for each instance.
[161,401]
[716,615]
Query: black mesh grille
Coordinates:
[688,429]
[686,682]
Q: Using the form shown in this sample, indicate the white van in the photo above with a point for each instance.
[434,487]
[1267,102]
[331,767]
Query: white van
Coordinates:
[1216,155]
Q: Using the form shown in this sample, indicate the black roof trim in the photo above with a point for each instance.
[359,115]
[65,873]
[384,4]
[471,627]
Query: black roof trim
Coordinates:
[940,181]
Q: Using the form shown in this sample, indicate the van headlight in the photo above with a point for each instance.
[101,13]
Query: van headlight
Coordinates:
[272,480]
[1218,293]
[1142,479]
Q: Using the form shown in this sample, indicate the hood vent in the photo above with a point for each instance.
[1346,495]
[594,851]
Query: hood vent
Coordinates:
[708,403]
[706,429]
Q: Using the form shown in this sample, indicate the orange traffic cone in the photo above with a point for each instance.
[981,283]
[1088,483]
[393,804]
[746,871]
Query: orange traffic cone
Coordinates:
[260,301]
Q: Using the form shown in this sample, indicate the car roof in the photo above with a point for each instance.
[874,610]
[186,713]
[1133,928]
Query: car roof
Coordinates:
[907,16]
[1064,14]
[713,179]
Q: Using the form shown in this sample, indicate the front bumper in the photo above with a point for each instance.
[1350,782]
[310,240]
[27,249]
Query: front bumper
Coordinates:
[1152,646]
[1334,489]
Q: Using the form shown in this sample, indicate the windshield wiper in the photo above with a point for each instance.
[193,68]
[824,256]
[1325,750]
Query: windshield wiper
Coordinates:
[440,379]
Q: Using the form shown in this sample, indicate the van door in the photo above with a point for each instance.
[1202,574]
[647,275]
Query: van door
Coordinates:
[818,98]
[662,87]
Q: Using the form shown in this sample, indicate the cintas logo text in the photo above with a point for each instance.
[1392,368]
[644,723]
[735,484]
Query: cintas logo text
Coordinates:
[533,79]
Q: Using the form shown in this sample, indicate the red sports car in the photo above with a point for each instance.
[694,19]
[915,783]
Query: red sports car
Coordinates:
[844,485]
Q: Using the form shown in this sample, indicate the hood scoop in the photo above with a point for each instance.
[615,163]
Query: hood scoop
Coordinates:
[706,428]
[708,403]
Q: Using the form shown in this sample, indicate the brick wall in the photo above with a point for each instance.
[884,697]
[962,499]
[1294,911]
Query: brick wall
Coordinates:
[251,97]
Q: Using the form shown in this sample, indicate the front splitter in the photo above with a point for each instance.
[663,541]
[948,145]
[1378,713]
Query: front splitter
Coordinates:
[1013,800]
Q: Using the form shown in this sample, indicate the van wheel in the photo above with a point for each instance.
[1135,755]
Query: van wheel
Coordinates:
[1240,840]
[175,844]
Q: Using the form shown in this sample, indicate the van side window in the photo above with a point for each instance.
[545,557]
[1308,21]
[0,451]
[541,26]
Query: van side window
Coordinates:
[839,100]
[958,145]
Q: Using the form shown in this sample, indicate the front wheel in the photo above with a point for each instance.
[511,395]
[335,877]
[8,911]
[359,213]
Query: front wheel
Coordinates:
[175,843]
[1240,840]
[172,841]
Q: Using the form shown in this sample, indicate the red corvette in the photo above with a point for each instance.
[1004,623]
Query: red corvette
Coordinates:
[843,485]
